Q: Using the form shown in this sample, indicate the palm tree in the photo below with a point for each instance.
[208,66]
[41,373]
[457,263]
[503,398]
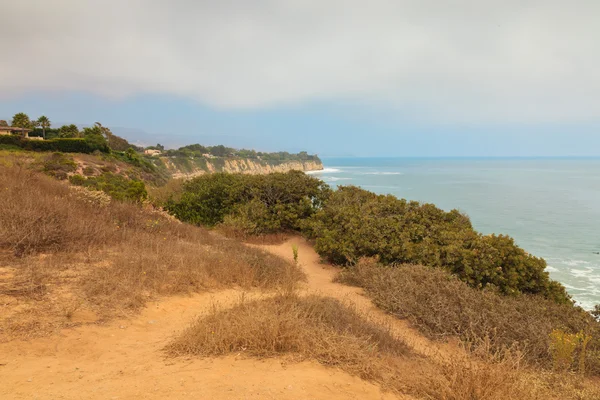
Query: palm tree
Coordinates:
[21,120]
[44,122]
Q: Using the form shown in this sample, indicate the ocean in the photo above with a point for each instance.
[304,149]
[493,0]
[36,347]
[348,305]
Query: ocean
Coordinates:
[550,206]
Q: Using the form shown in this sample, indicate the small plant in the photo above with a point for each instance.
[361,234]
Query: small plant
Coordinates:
[563,346]
[585,340]
[295,252]
[89,171]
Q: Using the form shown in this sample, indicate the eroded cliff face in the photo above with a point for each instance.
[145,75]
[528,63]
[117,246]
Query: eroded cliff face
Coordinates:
[243,166]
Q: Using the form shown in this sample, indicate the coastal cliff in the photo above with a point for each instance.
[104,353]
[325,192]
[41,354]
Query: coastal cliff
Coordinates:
[192,167]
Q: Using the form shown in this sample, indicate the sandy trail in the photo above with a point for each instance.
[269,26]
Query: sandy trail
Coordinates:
[320,281]
[123,359]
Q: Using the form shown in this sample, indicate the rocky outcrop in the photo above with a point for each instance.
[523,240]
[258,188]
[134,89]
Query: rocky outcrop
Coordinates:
[239,165]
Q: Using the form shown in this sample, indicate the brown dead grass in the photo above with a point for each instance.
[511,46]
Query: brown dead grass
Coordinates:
[312,327]
[113,257]
[335,334]
[441,306]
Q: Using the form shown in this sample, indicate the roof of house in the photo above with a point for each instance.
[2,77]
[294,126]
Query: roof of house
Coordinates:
[14,128]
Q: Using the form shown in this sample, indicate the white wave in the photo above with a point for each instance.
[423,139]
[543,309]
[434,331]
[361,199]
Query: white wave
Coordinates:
[581,273]
[595,279]
[382,173]
[325,171]
[335,179]
[575,263]
[379,187]
[569,287]
[550,268]
[586,304]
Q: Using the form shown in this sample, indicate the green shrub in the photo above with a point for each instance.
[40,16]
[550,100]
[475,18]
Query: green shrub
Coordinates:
[11,140]
[130,156]
[77,180]
[58,165]
[116,186]
[89,171]
[355,223]
[65,145]
[254,203]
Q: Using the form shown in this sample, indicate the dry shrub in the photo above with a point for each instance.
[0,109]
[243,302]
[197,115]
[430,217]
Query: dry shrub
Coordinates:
[160,195]
[487,376]
[130,254]
[39,214]
[440,305]
[150,264]
[312,327]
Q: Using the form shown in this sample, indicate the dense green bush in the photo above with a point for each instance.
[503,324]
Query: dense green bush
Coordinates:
[254,203]
[65,145]
[197,150]
[355,223]
[116,186]
[11,140]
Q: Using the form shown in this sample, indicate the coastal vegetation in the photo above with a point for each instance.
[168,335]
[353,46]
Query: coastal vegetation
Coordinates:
[350,223]
[442,306]
[118,254]
[481,288]
[252,204]
[106,232]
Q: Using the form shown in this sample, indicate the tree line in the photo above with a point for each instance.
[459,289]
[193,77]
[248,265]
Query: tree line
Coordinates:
[198,150]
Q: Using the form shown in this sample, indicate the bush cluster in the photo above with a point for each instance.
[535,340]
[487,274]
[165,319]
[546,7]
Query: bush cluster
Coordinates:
[441,305]
[116,186]
[58,165]
[65,145]
[255,204]
[351,223]
[355,223]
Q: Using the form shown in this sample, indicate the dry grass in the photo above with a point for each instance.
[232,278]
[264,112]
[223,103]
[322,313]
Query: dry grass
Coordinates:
[112,256]
[334,334]
[440,305]
[312,327]
[151,264]
[498,377]
[160,195]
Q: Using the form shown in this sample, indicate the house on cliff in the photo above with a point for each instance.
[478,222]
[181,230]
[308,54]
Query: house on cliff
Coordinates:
[13,130]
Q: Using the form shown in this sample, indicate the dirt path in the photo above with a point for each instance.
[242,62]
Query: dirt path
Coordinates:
[320,281]
[123,359]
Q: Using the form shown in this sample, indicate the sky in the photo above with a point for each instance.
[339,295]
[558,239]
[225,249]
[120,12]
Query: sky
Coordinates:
[332,77]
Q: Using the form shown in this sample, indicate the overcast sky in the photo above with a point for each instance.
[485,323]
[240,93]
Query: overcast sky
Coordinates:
[421,78]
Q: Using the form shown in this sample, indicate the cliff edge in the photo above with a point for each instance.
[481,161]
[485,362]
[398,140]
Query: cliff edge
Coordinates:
[201,166]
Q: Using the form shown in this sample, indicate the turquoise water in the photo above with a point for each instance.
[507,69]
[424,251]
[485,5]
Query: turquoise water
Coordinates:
[550,206]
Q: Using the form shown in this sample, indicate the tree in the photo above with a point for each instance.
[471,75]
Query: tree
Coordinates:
[44,122]
[21,120]
[219,151]
[34,124]
[3,122]
[96,138]
[68,131]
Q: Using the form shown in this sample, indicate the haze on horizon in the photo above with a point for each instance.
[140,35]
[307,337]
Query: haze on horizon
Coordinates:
[383,78]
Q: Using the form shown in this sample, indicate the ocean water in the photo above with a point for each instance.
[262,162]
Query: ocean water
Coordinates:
[550,206]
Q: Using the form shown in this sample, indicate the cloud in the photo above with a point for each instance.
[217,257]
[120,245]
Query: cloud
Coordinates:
[446,61]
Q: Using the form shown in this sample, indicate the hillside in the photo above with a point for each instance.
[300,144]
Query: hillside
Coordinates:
[96,150]
[130,303]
